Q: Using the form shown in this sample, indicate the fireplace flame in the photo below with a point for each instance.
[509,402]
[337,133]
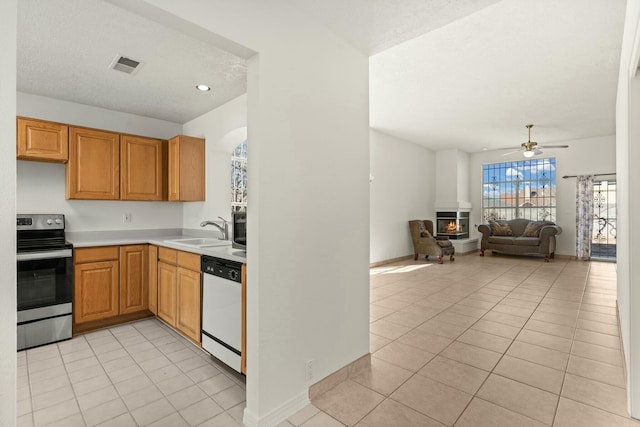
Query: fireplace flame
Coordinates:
[452,227]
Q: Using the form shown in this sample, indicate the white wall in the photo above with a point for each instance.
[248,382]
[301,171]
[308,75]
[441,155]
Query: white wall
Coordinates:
[224,128]
[583,157]
[403,189]
[307,111]
[452,180]
[8,25]
[446,183]
[628,158]
[41,186]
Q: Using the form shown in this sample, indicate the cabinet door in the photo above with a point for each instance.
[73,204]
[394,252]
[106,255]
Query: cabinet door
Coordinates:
[134,288]
[95,291]
[42,141]
[153,279]
[142,174]
[186,170]
[189,303]
[167,303]
[93,170]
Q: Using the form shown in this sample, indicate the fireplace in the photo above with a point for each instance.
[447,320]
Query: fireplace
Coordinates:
[453,224]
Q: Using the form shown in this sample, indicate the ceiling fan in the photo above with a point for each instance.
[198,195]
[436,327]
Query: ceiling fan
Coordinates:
[531,148]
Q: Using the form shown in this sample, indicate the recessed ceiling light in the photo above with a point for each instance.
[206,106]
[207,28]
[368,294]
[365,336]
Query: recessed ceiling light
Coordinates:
[203,88]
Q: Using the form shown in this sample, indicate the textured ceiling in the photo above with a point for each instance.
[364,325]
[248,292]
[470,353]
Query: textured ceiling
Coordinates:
[65,48]
[375,25]
[479,80]
[464,74]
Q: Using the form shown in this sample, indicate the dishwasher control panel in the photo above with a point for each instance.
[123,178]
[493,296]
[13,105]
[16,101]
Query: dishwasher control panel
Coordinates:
[230,270]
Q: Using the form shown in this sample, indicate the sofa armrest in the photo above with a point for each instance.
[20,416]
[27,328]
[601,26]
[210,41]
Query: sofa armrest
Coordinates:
[485,230]
[550,230]
[548,239]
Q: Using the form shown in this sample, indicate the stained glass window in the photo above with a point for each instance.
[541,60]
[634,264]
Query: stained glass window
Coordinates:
[239,178]
[521,189]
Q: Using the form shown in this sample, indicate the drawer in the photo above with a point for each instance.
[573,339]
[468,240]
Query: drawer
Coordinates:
[101,253]
[170,256]
[189,260]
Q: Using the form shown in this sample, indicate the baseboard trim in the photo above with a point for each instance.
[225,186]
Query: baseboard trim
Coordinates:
[342,374]
[389,261]
[279,414]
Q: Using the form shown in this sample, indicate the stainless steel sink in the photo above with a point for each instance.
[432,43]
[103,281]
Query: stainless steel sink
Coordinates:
[200,242]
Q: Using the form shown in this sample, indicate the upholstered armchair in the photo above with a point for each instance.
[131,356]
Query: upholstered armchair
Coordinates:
[424,242]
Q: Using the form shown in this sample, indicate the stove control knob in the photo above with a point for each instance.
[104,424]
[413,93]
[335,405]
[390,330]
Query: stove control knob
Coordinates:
[49,221]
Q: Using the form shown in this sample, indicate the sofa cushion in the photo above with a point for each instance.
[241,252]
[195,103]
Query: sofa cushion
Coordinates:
[500,228]
[526,241]
[534,227]
[501,240]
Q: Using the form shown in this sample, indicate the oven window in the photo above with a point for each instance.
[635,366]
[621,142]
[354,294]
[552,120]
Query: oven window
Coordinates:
[44,282]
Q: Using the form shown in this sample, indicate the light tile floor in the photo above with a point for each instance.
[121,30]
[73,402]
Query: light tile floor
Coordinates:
[485,341]
[138,374]
[491,341]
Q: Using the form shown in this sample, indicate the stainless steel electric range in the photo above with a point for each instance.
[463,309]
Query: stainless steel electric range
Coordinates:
[44,280]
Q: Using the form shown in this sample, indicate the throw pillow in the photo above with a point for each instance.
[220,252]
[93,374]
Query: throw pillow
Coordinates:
[500,228]
[534,227]
[423,229]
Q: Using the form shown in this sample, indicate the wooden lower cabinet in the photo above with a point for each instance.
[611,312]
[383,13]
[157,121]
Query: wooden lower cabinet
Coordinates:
[180,291]
[110,286]
[134,276]
[153,279]
[95,291]
[189,300]
[167,283]
[119,284]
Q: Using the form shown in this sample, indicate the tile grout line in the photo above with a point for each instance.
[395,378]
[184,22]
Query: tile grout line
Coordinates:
[475,395]
[564,377]
[455,339]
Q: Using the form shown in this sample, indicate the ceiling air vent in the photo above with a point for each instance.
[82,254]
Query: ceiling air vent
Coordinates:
[126,64]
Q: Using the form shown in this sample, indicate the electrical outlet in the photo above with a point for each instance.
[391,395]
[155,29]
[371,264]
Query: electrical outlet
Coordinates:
[126,218]
[308,370]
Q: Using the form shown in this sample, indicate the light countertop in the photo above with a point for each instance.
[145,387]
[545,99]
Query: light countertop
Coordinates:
[162,237]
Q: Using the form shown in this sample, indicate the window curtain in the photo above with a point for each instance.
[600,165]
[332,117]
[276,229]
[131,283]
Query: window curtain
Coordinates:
[584,216]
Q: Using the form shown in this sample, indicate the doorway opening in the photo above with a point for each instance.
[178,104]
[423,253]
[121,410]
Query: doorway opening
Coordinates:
[603,241]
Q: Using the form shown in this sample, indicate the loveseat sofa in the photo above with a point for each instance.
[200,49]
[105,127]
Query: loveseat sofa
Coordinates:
[520,237]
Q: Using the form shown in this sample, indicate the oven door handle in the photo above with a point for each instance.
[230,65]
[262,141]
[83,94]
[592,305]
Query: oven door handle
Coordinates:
[34,256]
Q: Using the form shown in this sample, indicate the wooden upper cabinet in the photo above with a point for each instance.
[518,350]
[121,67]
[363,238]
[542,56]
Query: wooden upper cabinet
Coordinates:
[93,170]
[42,141]
[186,174]
[142,170]
[134,276]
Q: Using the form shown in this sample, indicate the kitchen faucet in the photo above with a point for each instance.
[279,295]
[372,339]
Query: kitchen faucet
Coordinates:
[224,229]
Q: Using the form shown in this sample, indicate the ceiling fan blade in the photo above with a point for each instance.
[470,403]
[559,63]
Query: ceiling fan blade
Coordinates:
[553,146]
[511,152]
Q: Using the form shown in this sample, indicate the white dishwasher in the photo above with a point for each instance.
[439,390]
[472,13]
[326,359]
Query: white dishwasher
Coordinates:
[222,309]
